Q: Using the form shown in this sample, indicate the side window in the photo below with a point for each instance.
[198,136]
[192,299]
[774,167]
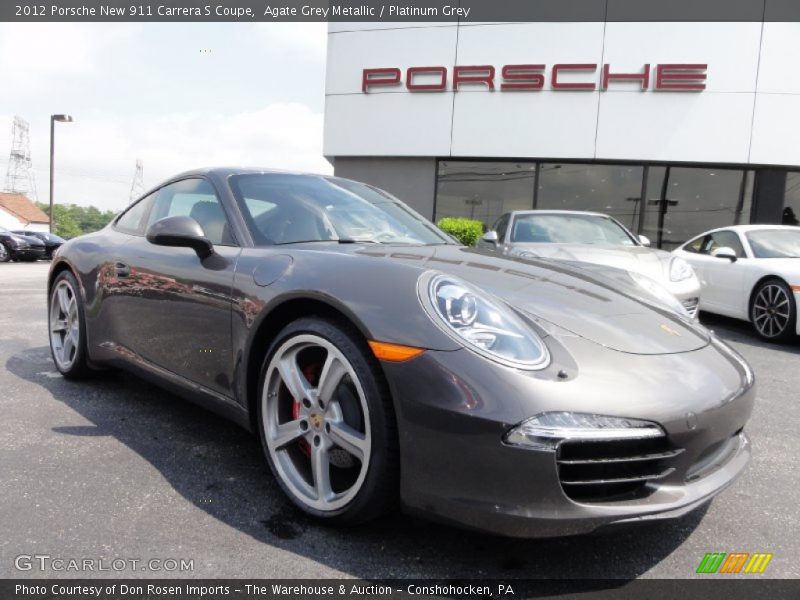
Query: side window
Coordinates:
[695,245]
[197,199]
[722,239]
[132,220]
[500,226]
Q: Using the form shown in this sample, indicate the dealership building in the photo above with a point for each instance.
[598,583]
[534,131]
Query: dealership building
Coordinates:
[673,124]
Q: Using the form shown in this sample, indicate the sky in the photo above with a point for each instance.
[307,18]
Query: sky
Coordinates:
[175,96]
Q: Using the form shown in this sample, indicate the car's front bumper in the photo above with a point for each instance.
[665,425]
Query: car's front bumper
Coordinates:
[796,290]
[455,407]
[687,292]
[50,250]
[29,253]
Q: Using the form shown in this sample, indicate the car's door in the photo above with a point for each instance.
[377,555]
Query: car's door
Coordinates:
[179,314]
[721,278]
[110,327]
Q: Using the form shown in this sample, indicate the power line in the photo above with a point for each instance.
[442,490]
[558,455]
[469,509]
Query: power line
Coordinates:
[83,175]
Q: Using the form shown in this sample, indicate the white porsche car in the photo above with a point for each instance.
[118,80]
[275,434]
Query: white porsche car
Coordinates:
[750,272]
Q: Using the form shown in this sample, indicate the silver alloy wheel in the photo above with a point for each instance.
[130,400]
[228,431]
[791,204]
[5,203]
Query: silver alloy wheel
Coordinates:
[3,253]
[771,310]
[64,324]
[304,446]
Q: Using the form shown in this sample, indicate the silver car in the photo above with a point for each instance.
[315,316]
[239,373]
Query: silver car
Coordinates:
[594,238]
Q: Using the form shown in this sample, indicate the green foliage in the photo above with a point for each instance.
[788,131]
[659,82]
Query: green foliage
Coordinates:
[72,220]
[466,231]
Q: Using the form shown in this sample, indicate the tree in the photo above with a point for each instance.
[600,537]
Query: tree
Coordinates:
[72,220]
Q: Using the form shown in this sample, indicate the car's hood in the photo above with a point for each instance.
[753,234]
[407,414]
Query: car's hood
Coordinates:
[586,303]
[32,240]
[638,259]
[15,237]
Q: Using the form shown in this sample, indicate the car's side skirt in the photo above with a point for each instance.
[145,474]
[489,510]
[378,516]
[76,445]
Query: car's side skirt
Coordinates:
[123,358]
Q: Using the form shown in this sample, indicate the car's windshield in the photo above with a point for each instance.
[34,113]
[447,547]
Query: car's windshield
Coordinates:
[775,243]
[284,209]
[569,229]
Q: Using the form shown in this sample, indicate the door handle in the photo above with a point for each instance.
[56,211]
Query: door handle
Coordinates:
[122,269]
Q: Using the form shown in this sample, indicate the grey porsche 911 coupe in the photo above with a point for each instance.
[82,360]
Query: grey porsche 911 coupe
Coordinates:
[382,365]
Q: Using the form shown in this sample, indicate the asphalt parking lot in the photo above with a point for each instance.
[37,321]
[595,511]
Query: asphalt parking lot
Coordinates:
[116,468]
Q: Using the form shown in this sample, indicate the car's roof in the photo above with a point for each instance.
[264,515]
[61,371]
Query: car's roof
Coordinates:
[746,228]
[558,212]
[226,171]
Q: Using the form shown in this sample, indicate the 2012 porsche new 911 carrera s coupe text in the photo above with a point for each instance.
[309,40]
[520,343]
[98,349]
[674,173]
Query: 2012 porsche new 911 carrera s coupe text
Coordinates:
[383,365]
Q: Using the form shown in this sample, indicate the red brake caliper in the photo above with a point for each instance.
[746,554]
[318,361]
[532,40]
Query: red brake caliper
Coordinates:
[310,373]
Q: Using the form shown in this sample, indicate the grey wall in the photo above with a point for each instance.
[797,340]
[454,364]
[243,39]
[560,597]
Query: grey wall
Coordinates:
[413,180]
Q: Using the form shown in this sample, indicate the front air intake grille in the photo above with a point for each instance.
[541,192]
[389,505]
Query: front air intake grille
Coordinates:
[690,304]
[600,471]
[715,456]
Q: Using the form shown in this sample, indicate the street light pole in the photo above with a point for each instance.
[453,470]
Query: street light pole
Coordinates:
[53,119]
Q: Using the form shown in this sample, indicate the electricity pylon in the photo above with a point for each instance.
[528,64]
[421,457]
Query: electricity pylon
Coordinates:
[137,187]
[19,175]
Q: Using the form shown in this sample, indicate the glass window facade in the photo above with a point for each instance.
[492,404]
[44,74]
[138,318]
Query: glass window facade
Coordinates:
[791,199]
[483,190]
[668,204]
[694,200]
[613,190]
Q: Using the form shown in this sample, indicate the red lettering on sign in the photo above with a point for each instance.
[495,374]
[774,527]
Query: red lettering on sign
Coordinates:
[681,77]
[522,77]
[560,68]
[643,77]
[426,87]
[373,77]
[483,75]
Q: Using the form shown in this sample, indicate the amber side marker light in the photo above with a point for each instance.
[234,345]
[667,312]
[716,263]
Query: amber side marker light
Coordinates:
[394,352]
[795,288]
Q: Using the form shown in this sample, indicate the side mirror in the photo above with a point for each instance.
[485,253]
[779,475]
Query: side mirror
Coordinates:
[724,252]
[490,237]
[182,232]
[644,240]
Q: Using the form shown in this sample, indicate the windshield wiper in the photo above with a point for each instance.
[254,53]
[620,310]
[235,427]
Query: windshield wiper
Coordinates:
[339,241]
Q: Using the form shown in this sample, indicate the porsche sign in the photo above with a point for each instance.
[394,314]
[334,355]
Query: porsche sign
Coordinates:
[665,77]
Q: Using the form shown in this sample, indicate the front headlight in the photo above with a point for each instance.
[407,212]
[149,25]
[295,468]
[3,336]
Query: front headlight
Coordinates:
[547,430]
[660,293]
[483,325]
[680,270]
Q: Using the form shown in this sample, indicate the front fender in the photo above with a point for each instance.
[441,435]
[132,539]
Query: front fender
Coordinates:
[379,297]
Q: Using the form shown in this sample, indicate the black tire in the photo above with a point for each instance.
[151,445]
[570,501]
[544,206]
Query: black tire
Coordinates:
[79,366]
[5,254]
[773,311]
[379,491]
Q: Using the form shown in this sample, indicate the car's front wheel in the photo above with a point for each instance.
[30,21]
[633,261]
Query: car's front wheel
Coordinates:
[67,327]
[773,311]
[327,424]
[5,255]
